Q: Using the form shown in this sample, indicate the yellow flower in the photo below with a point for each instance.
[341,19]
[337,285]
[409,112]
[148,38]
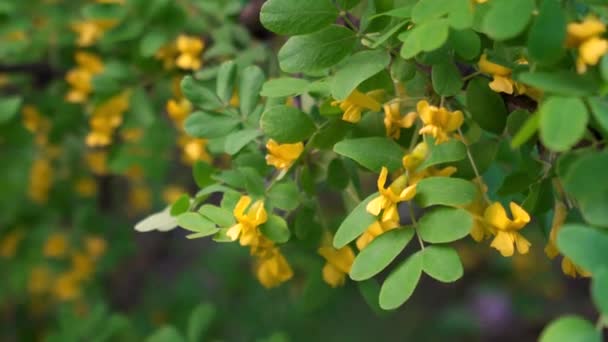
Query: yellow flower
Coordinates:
[235,101]
[97,161]
[178,110]
[586,36]
[393,121]
[413,160]
[167,54]
[502,81]
[356,102]
[33,120]
[106,118]
[272,269]
[193,149]
[10,243]
[438,122]
[338,262]
[41,179]
[480,230]
[67,286]
[388,198]
[374,230]
[506,229]
[39,280]
[95,246]
[56,246]
[90,31]
[560,212]
[82,266]
[79,78]
[248,219]
[172,192]
[282,156]
[189,49]
[86,187]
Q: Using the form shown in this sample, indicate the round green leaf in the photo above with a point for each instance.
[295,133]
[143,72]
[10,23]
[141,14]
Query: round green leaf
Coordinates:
[570,329]
[586,246]
[548,33]
[293,17]
[284,195]
[444,224]
[380,253]
[442,263]
[354,224]
[287,124]
[466,43]
[506,19]
[563,121]
[444,191]
[486,106]
[317,51]
[284,86]
[372,153]
[450,151]
[9,107]
[429,36]
[446,79]
[400,284]
[599,290]
[181,205]
[206,125]
[356,69]
[220,216]
[276,229]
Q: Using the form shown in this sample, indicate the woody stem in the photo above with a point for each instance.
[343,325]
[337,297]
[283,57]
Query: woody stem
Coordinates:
[474,167]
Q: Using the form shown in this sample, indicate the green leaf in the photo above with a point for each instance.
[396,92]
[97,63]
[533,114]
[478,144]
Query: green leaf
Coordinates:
[444,191]
[387,34]
[206,125]
[337,174]
[195,222]
[446,79]
[220,216]
[486,107]
[166,334]
[548,33]
[276,229]
[330,133]
[526,131]
[380,253]
[354,224]
[442,263]
[372,153]
[199,95]
[400,284]
[450,151]
[586,246]
[287,124]
[284,195]
[250,85]
[294,17]
[284,86]
[370,290]
[201,172]
[563,121]
[425,10]
[466,43]
[9,107]
[567,83]
[599,109]
[444,224]
[151,42]
[356,69]
[402,70]
[199,322]
[317,51]
[226,79]
[599,290]
[506,19]
[428,36]
[181,205]
[235,141]
[570,329]
[484,154]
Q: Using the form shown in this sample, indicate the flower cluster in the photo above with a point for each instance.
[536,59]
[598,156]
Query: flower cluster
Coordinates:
[80,78]
[185,53]
[106,118]
[587,38]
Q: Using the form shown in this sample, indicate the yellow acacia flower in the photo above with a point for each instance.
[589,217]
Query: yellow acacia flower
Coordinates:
[356,102]
[502,81]
[413,160]
[178,110]
[480,230]
[86,187]
[97,162]
[376,229]
[338,262]
[193,149]
[393,121]
[106,118]
[189,49]
[248,219]
[34,121]
[56,246]
[438,121]
[39,280]
[90,31]
[388,198]
[41,180]
[272,269]
[506,229]
[66,286]
[282,156]
[560,213]
[10,243]
[80,77]
[586,36]
[95,246]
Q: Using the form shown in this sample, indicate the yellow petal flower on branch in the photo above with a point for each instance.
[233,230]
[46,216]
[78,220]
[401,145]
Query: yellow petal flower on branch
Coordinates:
[480,230]
[390,196]
[178,110]
[90,31]
[393,121]
[189,49]
[338,262]
[282,156]
[356,103]
[586,36]
[438,121]
[79,78]
[506,229]
[413,160]
[272,269]
[248,219]
[193,149]
[56,246]
[106,118]
[376,229]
